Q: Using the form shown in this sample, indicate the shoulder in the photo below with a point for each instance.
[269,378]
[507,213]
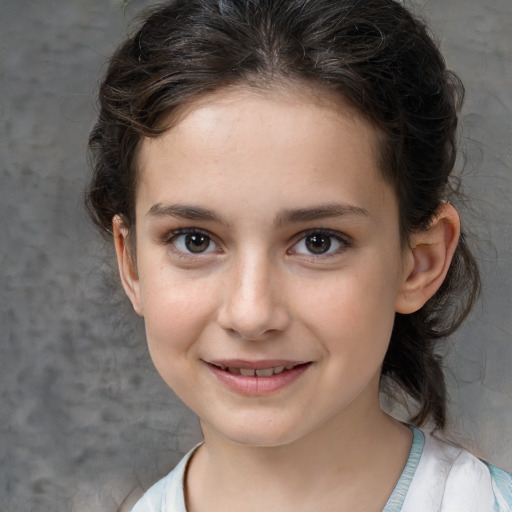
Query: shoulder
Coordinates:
[450,479]
[167,494]
[502,485]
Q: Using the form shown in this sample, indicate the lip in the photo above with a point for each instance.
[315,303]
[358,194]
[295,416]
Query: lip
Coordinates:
[255,385]
[255,365]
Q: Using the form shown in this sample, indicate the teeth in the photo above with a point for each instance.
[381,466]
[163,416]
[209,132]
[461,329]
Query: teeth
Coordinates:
[261,372]
[265,372]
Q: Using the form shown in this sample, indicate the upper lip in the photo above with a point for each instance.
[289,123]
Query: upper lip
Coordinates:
[255,365]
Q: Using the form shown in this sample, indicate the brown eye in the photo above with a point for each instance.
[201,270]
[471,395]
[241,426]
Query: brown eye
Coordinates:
[193,242]
[318,243]
[197,242]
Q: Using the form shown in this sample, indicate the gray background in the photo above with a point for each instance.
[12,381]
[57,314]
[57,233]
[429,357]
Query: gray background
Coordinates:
[84,417]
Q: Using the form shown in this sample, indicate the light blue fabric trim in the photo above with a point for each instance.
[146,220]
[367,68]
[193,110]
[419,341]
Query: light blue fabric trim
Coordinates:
[396,500]
[502,487]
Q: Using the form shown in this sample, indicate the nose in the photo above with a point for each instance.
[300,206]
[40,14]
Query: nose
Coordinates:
[254,305]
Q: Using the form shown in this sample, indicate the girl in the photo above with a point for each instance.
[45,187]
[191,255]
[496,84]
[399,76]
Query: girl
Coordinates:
[276,176]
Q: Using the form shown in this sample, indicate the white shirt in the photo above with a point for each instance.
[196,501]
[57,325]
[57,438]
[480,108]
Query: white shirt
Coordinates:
[438,477]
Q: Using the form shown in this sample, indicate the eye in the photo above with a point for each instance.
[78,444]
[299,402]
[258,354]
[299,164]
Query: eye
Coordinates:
[319,243]
[193,242]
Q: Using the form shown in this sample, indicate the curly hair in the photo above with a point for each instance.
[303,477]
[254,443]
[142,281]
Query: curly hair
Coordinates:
[374,54]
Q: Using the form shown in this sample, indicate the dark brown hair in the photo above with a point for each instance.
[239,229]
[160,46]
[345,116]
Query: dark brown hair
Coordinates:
[372,53]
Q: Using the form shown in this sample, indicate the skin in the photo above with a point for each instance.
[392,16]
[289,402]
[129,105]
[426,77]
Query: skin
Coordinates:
[252,162]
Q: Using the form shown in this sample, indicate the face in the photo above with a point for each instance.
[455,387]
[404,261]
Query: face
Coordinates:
[268,263]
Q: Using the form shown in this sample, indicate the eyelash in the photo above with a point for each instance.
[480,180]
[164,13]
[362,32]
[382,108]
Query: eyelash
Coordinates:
[174,235]
[300,238]
[341,240]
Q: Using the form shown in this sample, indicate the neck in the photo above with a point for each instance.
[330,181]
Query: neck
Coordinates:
[334,465]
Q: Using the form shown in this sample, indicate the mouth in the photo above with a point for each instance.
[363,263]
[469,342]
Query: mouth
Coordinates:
[257,378]
[260,372]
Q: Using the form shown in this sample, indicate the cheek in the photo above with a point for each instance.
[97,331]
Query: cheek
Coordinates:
[175,313]
[353,309]
[349,296]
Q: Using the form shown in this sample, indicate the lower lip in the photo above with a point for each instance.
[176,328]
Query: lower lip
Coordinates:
[258,386]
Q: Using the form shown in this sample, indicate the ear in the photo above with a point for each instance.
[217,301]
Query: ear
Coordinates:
[126,264]
[429,256]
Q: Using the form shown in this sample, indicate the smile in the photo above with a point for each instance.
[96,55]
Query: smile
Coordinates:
[260,372]
[259,378]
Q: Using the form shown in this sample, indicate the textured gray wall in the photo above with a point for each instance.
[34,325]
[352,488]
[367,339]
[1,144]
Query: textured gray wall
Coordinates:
[84,417]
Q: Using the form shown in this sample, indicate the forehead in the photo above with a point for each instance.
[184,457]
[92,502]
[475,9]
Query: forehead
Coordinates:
[289,145]
[229,108]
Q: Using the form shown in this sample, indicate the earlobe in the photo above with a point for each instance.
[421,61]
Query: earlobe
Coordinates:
[126,264]
[430,254]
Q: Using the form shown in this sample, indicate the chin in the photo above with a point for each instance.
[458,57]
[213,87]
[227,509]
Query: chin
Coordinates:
[260,441]
[256,434]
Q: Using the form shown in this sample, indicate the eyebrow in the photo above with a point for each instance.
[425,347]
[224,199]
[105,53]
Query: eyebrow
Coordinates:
[319,212]
[184,211]
[287,216]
